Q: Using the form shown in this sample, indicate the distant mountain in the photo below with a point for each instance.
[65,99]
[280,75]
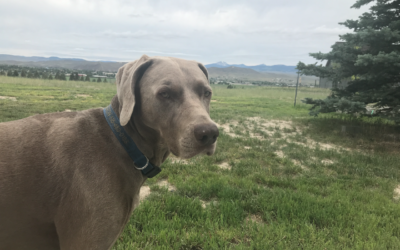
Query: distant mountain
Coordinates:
[259,68]
[57,62]
[4,57]
[76,63]
[217,65]
[233,72]
[70,64]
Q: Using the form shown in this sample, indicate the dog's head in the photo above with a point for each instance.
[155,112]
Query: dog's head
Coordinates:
[171,96]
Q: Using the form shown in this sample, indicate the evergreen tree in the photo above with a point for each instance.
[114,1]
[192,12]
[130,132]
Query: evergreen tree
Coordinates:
[9,73]
[57,76]
[36,75]
[63,77]
[87,78]
[105,79]
[23,73]
[16,73]
[369,59]
[76,76]
[50,77]
[98,79]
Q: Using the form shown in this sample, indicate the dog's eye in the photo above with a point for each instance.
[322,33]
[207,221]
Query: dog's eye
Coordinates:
[207,93]
[164,94]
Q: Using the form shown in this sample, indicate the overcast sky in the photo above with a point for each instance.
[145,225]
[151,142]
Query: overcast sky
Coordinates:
[250,32]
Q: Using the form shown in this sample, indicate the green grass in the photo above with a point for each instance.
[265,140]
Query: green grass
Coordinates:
[306,198]
[37,96]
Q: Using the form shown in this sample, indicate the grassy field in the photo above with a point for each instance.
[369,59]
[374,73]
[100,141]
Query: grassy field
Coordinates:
[278,180]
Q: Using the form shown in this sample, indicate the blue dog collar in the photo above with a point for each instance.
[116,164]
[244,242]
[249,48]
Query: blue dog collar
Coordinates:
[139,159]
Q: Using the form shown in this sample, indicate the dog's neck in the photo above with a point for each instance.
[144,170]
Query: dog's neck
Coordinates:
[149,141]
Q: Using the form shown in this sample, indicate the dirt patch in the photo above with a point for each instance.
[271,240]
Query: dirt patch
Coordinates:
[297,163]
[67,110]
[225,165]
[280,154]
[204,204]
[246,147]
[279,124]
[269,128]
[177,160]
[144,192]
[327,162]
[251,124]
[254,218]
[82,95]
[165,183]
[214,100]
[227,128]
[323,146]
[396,193]
[8,98]
[313,145]
[257,136]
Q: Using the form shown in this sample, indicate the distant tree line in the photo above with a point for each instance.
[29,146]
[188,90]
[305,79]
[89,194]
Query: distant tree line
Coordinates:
[53,73]
[239,81]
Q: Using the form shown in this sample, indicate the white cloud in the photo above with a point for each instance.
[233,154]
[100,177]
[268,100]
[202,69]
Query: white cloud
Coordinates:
[250,32]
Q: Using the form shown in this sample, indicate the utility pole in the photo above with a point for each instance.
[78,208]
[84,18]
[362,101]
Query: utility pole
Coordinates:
[297,85]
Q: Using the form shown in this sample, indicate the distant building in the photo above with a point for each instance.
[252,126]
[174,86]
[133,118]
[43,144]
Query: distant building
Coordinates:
[109,74]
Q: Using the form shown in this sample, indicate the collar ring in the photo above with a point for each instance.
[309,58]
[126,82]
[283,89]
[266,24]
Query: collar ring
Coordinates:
[145,166]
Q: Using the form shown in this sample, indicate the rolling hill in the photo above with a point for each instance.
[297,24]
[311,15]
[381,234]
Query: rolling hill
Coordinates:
[56,62]
[260,72]
[259,68]
[233,73]
[70,64]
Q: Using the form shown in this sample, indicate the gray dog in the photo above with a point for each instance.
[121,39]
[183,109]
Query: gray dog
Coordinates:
[72,180]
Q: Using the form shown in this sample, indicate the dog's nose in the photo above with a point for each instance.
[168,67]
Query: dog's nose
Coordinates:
[206,133]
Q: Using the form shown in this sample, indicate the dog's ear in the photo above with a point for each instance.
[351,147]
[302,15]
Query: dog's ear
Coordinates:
[201,66]
[127,77]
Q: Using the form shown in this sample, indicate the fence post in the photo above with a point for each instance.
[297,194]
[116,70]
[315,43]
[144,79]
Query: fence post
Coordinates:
[297,85]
